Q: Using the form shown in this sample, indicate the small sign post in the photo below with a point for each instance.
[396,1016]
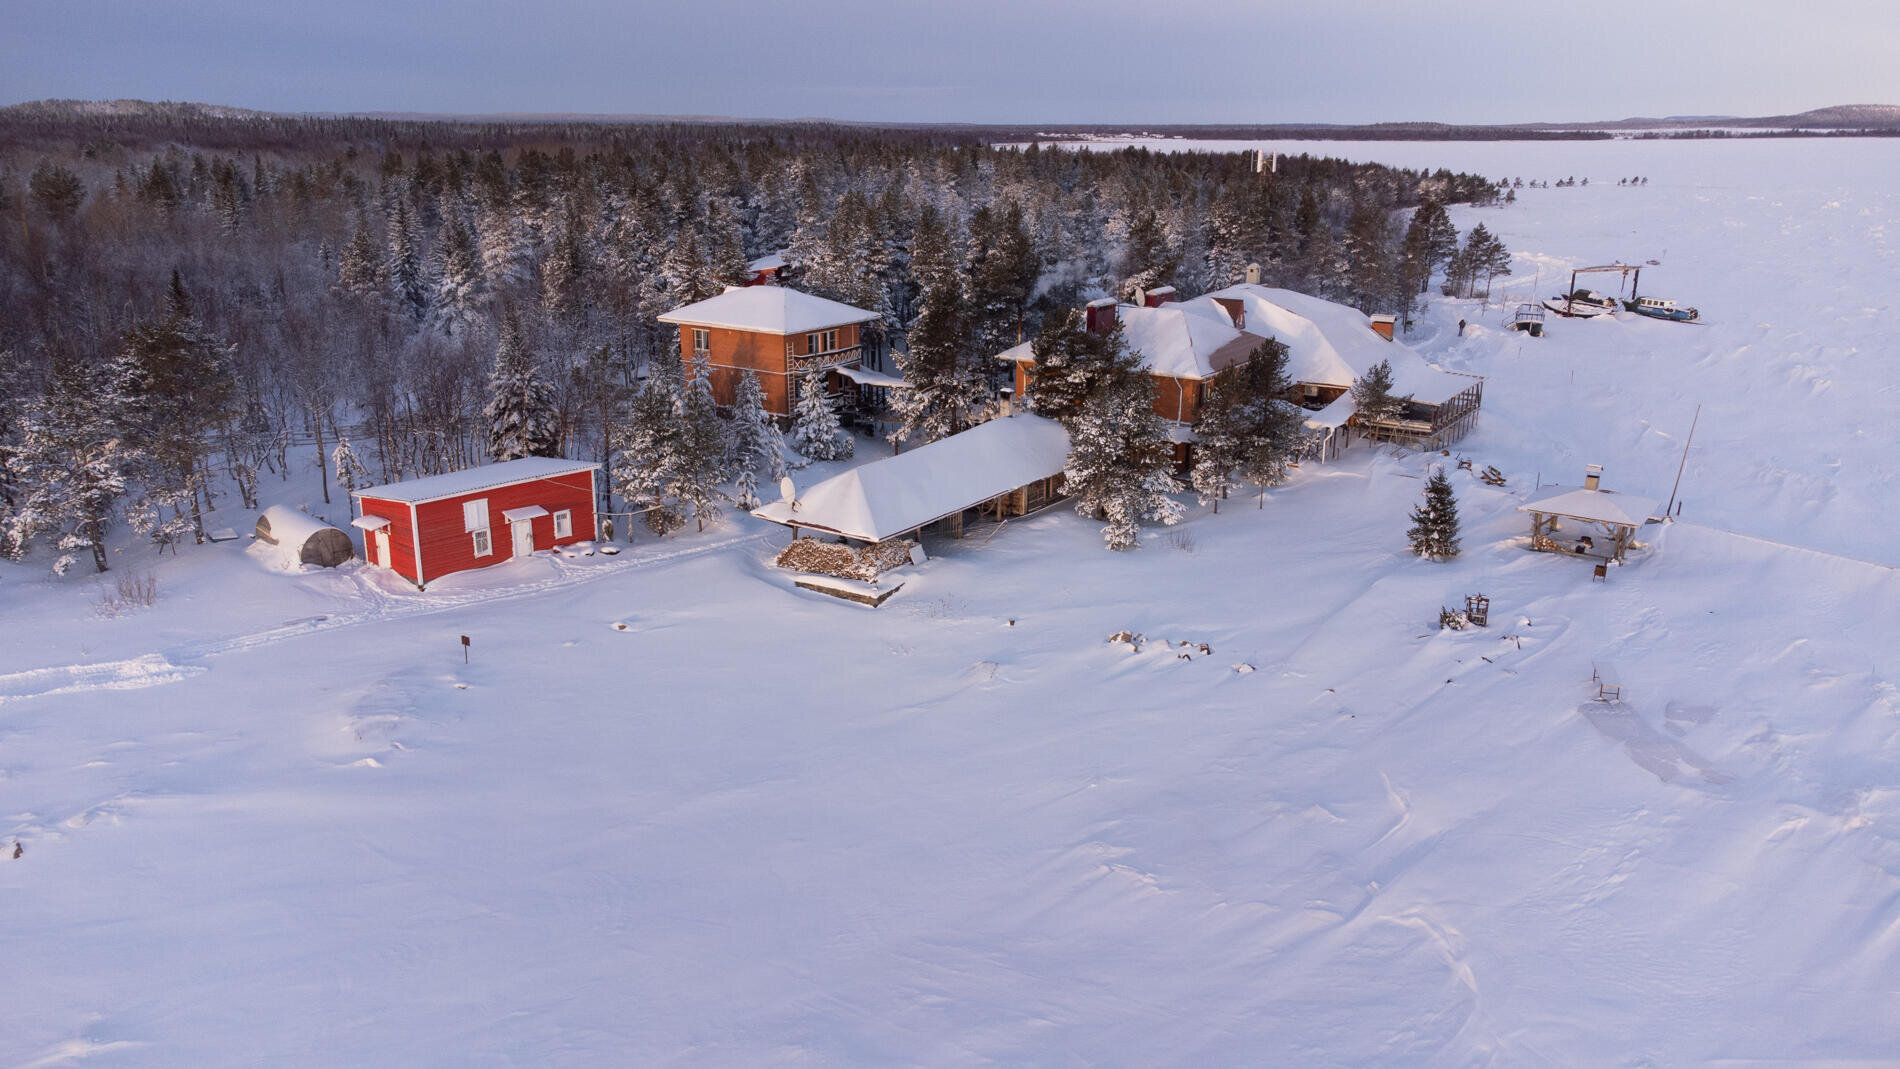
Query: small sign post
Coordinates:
[464,649]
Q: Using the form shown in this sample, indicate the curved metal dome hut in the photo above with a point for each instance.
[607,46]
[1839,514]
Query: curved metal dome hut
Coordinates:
[304,539]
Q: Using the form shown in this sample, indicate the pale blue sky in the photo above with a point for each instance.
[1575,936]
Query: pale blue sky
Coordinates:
[978,60]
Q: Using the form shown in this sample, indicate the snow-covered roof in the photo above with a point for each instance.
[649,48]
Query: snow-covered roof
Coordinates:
[886,498]
[1335,415]
[291,528]
[475,480]
[1176,343]
[1171,341]
[1596,506]
[864,376]
[769,310]
[771,261]
[1328,343]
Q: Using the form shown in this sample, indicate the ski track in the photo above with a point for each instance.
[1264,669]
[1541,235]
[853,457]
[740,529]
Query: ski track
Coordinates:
[180,662]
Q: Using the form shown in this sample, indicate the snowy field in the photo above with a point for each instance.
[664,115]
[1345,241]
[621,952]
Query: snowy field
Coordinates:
[676,812]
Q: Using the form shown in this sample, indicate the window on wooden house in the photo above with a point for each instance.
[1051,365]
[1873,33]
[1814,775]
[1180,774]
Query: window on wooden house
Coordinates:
[483,544]
[475,515]
[702,343]
[563,524]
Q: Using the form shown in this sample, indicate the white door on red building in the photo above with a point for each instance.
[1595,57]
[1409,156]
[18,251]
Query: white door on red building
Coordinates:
[382,547]
[524,537]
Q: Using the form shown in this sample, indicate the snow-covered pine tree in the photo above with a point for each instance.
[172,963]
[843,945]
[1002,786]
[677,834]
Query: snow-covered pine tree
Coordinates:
[1060,377]
[173,385]
[1278,424]
[645,450]
[521,410]
[1119,454]
[1434,530]
[947,389]
[359,269]
[1004,267]
[1148,260]
[725,247]
[816,432]
[689,275]
[1487,255]
[459,283]
[1221,426]
[503,248]
[757,446]
[564,272]
[699,469]
[403,266]
[349,471]
[1372,397]
[71,466]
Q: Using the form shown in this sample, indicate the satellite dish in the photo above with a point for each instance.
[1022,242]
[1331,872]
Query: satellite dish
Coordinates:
[786,491]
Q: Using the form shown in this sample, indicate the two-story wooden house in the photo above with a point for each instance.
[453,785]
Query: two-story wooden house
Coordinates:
[776,332]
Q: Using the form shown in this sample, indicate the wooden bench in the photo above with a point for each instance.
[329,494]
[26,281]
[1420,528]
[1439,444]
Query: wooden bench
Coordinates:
[1609,687]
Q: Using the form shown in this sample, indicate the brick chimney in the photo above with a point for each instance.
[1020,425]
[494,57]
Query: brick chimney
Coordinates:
[1592,476]
[1236,310]
[1253,274]
[1100,316]
[1158,296]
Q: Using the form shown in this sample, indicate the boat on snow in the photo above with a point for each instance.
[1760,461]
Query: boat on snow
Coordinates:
[1582,304]
[1657,308]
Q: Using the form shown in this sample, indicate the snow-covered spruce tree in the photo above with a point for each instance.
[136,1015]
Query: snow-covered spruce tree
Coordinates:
[689,275]
[520,410]
[403,266]
[172,385]
[1246,427]
[71,466]
[459,283]
[1147,258]
[757,447]
[359,269]
[947,389]
[646,448]
[1487,255]
[699,468]
[1002,271]
[1065,352]
[1119,454]
[815,429]
[350,472]
[1434,530]
[1372,398]
[1278,424]
[564,272]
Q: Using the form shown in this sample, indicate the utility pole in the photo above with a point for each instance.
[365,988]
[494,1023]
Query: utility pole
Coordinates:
[1684,463]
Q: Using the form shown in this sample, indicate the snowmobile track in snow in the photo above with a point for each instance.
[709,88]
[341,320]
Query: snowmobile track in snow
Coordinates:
[152,669]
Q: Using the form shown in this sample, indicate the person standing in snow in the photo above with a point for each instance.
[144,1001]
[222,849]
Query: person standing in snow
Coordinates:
[1461,328]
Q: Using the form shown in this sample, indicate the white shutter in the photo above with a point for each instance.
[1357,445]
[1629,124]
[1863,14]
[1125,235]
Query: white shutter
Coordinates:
[475,515]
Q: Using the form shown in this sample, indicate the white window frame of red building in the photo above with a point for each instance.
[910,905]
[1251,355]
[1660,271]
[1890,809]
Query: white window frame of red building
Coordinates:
[475,515]
[702,340]
[483,543]
[822,341]
[564,524]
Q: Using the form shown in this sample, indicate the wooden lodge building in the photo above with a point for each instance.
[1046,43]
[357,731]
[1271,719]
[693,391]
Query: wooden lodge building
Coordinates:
[1181,350]
[425,529]
[776,332]
[1329,346]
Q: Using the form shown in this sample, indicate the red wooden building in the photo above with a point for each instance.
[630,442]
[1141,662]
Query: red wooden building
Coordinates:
[425,529]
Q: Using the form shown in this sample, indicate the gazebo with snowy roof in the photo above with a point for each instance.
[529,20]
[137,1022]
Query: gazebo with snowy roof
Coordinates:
[1586,521]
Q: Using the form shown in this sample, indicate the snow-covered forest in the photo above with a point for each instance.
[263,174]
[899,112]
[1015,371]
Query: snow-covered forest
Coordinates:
[216,285]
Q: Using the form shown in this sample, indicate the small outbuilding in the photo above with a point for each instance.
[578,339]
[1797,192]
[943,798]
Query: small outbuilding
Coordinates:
[425,529]
[1586,521]
[301,538]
